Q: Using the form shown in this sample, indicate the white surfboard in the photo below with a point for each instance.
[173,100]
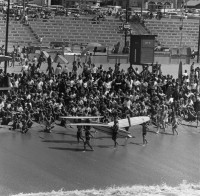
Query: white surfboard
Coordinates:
[81,117]
[133,121]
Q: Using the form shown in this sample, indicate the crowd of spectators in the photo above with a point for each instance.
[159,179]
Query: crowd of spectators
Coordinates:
[88,90]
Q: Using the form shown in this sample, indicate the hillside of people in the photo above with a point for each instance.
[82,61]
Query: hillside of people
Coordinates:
[90,90]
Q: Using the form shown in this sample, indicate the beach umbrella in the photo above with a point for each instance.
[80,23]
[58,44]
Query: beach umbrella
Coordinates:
[5,58]
[180,72]
[93,44]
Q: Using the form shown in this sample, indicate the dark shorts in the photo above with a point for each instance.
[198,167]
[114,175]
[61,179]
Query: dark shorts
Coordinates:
[114,137]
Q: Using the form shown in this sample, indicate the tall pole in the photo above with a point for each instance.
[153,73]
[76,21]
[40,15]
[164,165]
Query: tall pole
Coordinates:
[181,29]
[176,2]
[198,43]
[23,8]
[126,22]
[6,41]
[127,5]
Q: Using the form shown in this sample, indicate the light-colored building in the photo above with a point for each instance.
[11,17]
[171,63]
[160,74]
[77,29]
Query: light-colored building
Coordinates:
[152,4]
[165,4]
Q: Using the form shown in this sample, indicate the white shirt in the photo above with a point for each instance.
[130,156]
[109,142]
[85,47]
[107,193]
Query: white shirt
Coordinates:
[25,68]
[28,96]
[85,85]
[185,74]
[2,105]
[16,84]
[108,85]
[58,70]
[65,69]
[20,109]
[94,69]
[39,85]
[171,100]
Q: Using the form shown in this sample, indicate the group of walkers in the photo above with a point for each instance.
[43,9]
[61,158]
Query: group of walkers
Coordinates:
[88,90]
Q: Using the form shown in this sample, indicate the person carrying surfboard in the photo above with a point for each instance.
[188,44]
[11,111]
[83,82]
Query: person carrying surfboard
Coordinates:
[88,135]
[79,133]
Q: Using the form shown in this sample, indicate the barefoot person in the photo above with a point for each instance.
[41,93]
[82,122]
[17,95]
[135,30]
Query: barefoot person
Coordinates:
[115,132]
[49,120]
[79,133]
[88,135]
[174,124]
[144,133]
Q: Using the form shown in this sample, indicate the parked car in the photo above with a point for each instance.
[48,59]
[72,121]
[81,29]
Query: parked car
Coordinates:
[73,11]
[56,7]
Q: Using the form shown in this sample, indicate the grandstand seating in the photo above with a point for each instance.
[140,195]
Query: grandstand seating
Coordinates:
[83,31]
[169,34]
[18,33]
[66,29]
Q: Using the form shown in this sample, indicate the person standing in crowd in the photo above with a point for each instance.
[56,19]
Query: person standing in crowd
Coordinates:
[117,68]
[25,69]
[65,70]
[158,119]
[2,50]
[78,60]
[26,19]
[58,69]
[13,59]
[90,59]
[18,51]
[24,126]
[174,124]
[74,68]
[49,68]
[49,120]
[40,60]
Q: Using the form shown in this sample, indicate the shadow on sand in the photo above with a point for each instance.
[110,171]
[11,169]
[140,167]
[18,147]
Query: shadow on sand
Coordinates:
[150,131]
[69,149]
[102,137]
[62,133]
[60,141]
[189,125]
[165,133]
[103,146]
[135,143]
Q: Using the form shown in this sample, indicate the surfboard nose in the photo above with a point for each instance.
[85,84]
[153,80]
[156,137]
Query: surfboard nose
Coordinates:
[129,136]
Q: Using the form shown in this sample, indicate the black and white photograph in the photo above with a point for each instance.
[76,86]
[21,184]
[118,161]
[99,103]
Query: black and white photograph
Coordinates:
[99,97]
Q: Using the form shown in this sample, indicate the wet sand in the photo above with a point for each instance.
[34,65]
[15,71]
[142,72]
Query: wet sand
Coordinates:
[42,162]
